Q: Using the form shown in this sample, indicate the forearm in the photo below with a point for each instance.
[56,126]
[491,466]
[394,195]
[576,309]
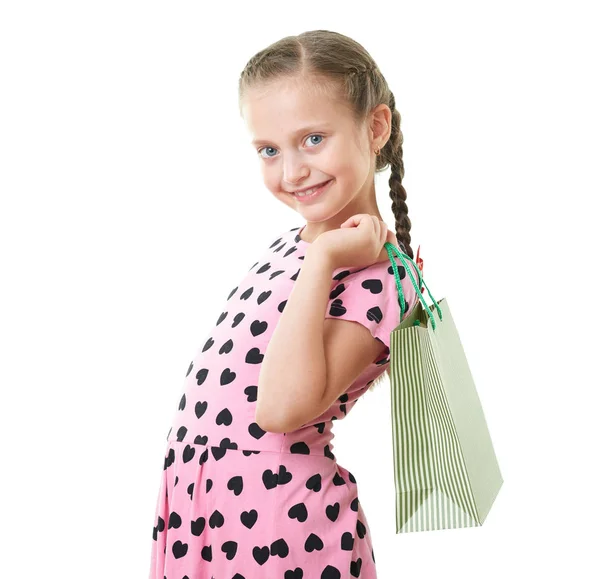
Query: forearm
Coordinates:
[293,371]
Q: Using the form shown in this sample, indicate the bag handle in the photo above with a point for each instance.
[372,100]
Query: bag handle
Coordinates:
[391,248]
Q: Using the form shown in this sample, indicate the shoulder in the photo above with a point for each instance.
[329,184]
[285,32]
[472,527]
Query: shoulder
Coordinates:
[380,276]
[371,296]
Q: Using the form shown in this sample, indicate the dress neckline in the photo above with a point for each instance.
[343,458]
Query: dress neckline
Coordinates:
[298,238]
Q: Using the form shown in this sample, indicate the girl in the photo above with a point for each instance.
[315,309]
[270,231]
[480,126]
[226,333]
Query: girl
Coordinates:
[251,488]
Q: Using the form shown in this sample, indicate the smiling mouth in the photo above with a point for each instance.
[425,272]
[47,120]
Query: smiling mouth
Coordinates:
[310,190]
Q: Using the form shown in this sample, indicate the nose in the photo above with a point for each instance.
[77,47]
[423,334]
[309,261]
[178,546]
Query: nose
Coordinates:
[294,170]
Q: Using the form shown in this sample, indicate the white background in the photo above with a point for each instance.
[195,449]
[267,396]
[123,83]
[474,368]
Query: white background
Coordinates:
[132,203]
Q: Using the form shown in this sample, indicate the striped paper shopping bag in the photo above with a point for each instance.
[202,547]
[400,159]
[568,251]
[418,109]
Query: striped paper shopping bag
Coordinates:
[445,469]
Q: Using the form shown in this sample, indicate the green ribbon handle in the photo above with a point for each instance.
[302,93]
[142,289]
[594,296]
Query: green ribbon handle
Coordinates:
[391,248]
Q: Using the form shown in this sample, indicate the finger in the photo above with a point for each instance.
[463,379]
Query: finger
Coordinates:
[379,230]
[374,220]
[366,222]
[354,220]
[382,231]
[391,237]
[376,227]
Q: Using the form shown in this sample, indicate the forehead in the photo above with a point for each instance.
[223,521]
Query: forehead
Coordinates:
[281,109]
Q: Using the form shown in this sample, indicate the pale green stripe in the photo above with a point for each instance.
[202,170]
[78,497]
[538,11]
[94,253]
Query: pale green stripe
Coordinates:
[456,482]
[431,481]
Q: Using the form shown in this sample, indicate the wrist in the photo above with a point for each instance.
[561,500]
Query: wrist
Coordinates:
[318,256]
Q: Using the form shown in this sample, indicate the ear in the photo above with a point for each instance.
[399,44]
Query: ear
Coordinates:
[381,124]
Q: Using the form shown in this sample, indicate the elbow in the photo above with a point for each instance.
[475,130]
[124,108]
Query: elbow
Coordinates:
[270,425]
[273,424]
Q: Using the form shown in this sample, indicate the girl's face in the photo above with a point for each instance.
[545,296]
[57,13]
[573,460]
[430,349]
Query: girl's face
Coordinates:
[303,138]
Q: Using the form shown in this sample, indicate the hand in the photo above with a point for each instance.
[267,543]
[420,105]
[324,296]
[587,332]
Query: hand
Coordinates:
[358,242]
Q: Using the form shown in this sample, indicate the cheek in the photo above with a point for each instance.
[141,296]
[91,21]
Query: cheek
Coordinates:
[338,164]
[284,198]
[344,175]
[270,180]
[353,172]
[334,162]
[273,184]
[274,187]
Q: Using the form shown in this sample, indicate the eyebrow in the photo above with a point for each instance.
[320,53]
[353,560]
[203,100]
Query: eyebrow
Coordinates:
[308,129]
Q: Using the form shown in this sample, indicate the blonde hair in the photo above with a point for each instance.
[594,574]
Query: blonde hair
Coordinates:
[335,63]
[322,60]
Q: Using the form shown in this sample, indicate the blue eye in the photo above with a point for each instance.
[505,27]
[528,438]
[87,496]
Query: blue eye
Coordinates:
[262,148]
[274,149]
[321,136]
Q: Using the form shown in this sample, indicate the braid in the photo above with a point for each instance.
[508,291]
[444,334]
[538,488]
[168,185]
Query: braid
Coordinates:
[343,69]
[397,191]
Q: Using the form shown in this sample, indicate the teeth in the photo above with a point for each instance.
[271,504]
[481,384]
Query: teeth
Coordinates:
[304,193]
[308,191]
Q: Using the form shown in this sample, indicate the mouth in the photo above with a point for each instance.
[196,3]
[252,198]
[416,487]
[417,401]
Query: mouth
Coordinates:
[313,192]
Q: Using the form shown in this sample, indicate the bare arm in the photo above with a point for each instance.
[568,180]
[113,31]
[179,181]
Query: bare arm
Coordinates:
[310,360]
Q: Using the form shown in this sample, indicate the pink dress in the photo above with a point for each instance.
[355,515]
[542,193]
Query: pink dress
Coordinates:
[236,502]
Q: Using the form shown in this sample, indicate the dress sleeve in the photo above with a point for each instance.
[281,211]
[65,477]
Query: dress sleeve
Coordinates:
[370,297]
